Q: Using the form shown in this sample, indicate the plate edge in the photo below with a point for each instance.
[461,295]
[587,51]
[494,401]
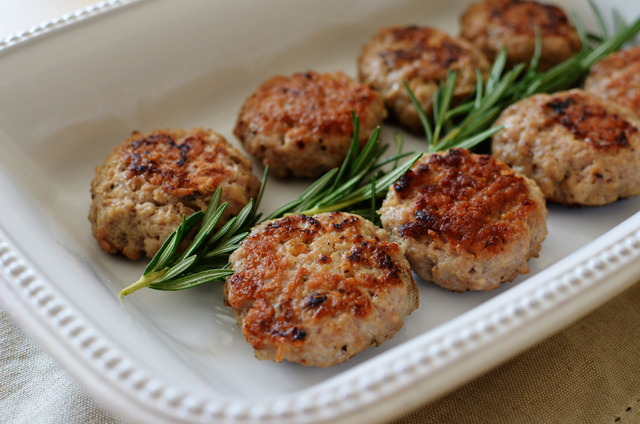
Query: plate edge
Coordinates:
[63,21]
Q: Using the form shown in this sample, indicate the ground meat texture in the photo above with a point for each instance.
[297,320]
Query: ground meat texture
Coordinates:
[466,221]
[422,57]
[494,24]
[148,183]
[617,78]
[579,149]
[301,126]
[318,290]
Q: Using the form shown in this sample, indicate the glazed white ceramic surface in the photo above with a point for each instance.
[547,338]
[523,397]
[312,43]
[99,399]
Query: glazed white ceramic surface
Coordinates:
[74,88]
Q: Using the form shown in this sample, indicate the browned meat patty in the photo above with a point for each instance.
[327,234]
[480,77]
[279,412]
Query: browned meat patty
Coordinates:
[617,78]
[494,24]
[148,183]
[421,56]
[318,290]
[579,149]
[466,221]
[301,126]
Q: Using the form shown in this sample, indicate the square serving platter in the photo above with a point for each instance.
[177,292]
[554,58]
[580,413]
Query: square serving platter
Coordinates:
[73,89]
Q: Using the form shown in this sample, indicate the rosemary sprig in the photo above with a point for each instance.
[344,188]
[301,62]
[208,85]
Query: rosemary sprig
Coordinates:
[351,187]
[479,113]
[470,123]
[358,183]
[205,258]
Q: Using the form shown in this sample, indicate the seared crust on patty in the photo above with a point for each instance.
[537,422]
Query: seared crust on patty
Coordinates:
[318,290]
[466,221]
[579,149]
[148,183]
[494,24]
[617,78]
[422,56]
[301,126]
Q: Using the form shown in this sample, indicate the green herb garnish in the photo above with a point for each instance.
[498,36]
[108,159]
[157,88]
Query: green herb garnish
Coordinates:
[205,258]
[356,184]
[351,187]
[470,122]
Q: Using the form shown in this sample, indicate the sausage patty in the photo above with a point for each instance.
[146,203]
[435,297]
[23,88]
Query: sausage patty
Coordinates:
[617,78]
[148,183]
[421,56]
[579,149]
[318,290]
[494,24]
[466,221]
[301,126]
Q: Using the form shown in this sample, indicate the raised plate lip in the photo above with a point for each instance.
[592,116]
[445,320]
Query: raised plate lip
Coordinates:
[413,373]
[55,24]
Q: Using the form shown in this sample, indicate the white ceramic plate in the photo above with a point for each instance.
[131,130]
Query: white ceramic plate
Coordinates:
[73,89]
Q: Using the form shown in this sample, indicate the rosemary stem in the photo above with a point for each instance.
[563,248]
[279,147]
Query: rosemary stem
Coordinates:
[143,282]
